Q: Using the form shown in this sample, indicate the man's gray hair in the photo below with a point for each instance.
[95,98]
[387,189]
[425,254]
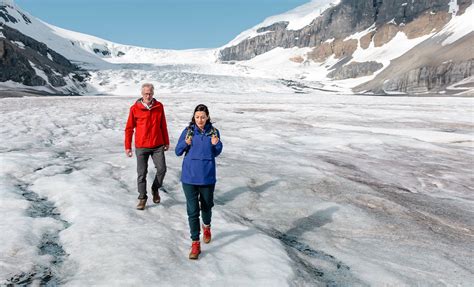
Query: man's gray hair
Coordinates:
[148,85]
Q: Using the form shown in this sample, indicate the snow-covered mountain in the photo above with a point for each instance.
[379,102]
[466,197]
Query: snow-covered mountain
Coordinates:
[113,68]
[353,42]
[342,46]
[31,63]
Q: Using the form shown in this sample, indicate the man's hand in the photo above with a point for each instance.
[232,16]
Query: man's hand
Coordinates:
[128,152]
[214,140]
[166,147]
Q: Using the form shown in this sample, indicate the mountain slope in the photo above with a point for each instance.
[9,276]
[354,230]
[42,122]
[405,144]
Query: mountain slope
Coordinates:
[14,17]
[26,61]
[354,41]
[430,66]
[334,22]
[89,51]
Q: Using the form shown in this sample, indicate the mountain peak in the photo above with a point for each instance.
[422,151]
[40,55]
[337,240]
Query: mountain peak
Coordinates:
[7,3]
[12,14]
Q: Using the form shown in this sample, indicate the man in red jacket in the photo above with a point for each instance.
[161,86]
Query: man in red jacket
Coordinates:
[147,118]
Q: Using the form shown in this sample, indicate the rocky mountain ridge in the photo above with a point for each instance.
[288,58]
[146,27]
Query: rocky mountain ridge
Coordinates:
[359,25]
[31,63]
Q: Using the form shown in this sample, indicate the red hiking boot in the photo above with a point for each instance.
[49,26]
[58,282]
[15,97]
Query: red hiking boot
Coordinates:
[206,233]
[195,250]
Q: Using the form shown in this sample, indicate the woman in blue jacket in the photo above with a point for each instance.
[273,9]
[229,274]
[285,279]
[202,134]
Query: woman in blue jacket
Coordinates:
[200,142]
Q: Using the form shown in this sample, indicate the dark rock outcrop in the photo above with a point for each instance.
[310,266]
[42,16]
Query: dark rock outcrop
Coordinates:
[102,52]
[6,16]
[430,78]
[16,67]
[21,57]
[278,26]
[355,70]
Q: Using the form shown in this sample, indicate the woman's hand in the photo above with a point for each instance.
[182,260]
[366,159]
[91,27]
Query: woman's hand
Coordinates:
[214,140]
[189,140]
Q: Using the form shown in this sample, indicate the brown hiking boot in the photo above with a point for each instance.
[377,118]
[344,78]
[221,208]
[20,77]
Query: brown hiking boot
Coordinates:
[156,196]
[141,204]
[195,250]
[206,233]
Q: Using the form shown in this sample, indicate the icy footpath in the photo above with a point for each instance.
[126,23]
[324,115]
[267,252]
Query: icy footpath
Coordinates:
[109,242]
[68,152]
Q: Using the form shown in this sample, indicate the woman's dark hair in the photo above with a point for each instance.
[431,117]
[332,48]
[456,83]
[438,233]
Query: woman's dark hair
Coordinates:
[200,108]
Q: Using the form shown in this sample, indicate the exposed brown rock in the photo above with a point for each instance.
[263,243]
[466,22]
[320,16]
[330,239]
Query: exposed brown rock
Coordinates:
[366,39]
[344,48]
[385,34]
[338,47]
[297,59]
[426,23]
[422,25]
[321,52]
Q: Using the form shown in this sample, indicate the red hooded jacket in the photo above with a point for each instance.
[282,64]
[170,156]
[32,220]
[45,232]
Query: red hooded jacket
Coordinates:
[149,125]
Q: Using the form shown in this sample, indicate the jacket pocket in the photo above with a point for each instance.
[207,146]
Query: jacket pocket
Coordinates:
[207,153]
[209,170]
[200,153]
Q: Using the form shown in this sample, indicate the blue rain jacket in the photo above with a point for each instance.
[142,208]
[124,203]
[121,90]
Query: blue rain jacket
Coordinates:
[199,165]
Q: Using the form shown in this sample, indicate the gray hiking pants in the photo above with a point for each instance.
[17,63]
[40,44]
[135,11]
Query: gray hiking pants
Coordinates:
[158,156]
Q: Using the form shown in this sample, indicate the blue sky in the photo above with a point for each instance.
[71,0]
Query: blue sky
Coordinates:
[167,24]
